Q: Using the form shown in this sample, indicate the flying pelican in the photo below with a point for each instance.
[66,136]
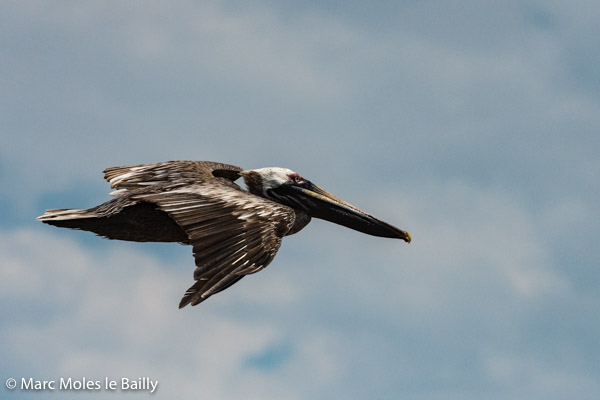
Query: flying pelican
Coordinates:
[233,232]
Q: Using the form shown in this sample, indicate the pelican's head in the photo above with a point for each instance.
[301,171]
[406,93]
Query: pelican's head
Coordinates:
[286,187]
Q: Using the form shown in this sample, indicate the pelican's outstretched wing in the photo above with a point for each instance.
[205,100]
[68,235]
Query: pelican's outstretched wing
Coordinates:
[132,177]
[233,233]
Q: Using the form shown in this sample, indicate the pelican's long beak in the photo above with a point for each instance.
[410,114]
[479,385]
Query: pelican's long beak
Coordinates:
[321,204]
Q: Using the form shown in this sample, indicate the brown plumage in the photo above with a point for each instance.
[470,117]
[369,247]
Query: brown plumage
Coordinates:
[233,232]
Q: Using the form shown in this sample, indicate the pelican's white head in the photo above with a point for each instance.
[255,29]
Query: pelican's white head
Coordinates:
[260,181]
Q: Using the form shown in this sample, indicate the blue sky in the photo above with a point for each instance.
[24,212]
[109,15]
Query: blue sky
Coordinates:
[472,125]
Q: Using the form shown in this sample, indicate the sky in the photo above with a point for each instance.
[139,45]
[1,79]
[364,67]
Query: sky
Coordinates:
[472,125]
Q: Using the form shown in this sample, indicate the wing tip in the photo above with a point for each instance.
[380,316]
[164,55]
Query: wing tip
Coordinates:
[193,296]
[183,303]
[189,299]
[186,299]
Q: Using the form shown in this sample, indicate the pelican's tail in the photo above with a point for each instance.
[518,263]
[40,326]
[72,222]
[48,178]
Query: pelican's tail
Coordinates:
[141,222]
[67,218]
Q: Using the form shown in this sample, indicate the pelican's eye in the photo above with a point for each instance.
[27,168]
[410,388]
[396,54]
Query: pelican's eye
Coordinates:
[296,178]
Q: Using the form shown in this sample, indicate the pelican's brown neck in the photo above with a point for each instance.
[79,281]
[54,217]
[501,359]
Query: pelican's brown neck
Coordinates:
[254,182]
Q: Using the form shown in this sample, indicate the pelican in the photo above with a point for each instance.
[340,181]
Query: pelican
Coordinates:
[233,232]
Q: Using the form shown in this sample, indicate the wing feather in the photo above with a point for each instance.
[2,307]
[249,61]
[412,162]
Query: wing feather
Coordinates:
[131,177]
[233,233]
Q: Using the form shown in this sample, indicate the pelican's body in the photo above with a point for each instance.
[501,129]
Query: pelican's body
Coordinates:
[233,232]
